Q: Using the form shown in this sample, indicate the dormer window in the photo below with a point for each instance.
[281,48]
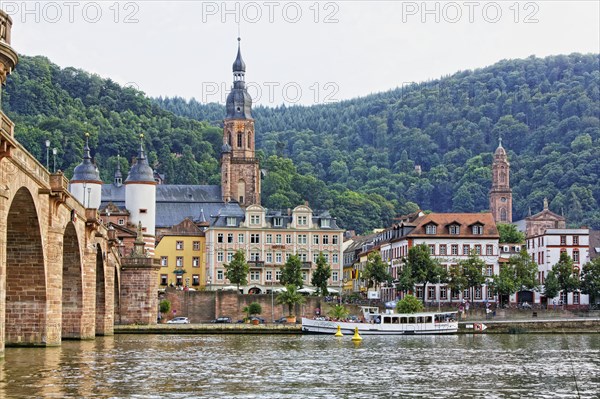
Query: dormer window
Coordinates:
[454,229]
[277,222]
[430,229]
[477,229]
[230,221]
[254,219]
[325,223]
[302,220]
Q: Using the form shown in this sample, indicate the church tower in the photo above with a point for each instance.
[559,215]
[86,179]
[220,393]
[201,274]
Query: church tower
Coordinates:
[86,185]
[501,193]
[240,175]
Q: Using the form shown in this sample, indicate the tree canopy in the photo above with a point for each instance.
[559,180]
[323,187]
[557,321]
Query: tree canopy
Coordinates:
[321,275]
[237,270]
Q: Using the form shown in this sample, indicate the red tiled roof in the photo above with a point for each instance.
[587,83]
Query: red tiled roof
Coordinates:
[466,220]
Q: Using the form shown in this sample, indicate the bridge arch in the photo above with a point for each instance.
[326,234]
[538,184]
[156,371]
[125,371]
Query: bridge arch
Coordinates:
[26,291]
[100,290]
[72,285]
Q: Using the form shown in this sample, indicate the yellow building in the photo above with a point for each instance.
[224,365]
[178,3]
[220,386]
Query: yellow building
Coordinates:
[182,254]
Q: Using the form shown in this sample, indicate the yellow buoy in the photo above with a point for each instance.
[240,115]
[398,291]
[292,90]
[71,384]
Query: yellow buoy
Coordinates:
[356,336]
[339,332]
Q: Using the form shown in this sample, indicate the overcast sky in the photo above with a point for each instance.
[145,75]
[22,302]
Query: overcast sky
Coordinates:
[301,52]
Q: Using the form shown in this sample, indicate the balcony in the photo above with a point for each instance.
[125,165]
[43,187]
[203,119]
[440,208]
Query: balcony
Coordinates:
[306,265]
[256,264]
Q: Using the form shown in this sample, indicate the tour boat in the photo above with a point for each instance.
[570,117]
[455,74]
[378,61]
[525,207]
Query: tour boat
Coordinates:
[375,323]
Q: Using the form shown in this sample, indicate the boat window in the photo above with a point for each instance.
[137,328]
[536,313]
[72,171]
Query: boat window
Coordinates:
[387,320]
[403,320]
[420,319]
[428,319]
[395,320]
[411,320]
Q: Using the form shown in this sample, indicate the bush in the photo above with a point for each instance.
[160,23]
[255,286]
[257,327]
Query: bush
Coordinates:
[164,306]
[409,304]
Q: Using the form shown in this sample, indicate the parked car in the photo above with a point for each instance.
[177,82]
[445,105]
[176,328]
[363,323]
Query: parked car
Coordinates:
[281,320]
[260,319]
[179,320]
[222,319]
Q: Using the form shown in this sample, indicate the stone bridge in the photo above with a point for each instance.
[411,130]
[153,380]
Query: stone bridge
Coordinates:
[59,267]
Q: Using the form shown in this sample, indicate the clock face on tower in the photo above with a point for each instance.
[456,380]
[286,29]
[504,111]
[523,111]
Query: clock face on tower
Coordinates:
[503,199]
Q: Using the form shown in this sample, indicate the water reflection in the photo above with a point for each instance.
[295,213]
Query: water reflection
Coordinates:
[232,366]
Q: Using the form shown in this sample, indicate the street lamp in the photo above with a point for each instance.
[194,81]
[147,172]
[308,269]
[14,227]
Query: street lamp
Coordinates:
[47,153]
[54,152]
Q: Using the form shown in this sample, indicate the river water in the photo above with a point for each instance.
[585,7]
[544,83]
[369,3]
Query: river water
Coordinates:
[307,366]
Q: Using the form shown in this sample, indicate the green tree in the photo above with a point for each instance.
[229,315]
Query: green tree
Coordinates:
[590,280]
[566,280]
[291,272]
[525,271]
[164,306]
[252,309]
[376,271]
[472,270]
[321,275]
[237,270]
[338,312]
[456,280]
[551,285]
[424,270]
[290,297]
[409,304]
[509,233]
[505,283]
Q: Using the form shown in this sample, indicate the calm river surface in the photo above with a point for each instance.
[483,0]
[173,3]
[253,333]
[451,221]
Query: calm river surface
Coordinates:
[307,366]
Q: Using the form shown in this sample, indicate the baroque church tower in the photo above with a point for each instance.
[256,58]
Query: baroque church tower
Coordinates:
[501,193]
[240,175]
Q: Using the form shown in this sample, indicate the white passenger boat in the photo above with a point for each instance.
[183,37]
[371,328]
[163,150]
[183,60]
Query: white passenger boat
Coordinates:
[375,323]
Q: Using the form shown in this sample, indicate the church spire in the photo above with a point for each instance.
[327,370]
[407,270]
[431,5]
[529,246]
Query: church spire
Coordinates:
[239,102]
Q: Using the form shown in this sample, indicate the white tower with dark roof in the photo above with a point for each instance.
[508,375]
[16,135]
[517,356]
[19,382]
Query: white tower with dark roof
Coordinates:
[140,193]
[86,185]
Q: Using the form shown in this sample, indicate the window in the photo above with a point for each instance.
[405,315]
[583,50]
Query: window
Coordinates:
[316,239]
[431,249]
[576,256]
[302,239]
[455,294]
[563,240]
[326,239]
[229,257]
[196,261]
[240,139]
[219,274]
[278,239]
[478,249]
[255,275]
[164,261]
[443,249]
[269,238]
[489,249]
[269,257]
[254,219]
[454,229]
[420,292]
[219,256]
[454,249]
[477,229]
[277,257]
[230,238]
[220,237]
[489,270]
[121,222]
[490,292]
[443,293]
[466,249]
[466,294]
[230,221]
[288,238]
[277,222]
[240,238]
[563,298]
[278,275]
[163,279]
[325,222]
[195,279]
[269,275]
[287,256]
[478,292]
[255,238]
[179,261]
[431,293]
[326,256]
[576,298]
[302,220]
[334,258]
[179,245]
[254,256]
[575,240]
[334,239]
[196,245]
[430,229]
[179,280]
[143,210]
[304,275]
[335,276]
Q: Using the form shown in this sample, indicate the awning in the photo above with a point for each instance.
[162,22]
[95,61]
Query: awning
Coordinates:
[306,290]
[333,291]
